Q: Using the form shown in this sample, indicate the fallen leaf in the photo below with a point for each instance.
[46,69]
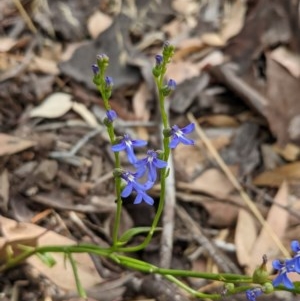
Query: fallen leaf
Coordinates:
[278,220]
[219,120]
[181,71]
[275,177]
[288,59]
[212,182]
[245,236]
[61,274]
[289,152]
[7,44]
[97,23]
[234,20]
[44,65]
[54,106]
[83,111]
[11,145]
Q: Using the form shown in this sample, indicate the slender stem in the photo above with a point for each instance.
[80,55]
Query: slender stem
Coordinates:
[79,286]
[112,137]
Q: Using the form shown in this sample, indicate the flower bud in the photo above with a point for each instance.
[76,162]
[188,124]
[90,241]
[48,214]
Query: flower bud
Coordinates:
[261,274]
[268,288]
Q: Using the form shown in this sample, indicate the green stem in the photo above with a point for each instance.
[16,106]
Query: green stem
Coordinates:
[80,288]
[112,137]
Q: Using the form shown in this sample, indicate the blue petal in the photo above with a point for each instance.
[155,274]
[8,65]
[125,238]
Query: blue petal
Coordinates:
[186,141]
[127,190]
[118,147]
[174,142]
[138,143]
[152,173]
[140,171]
[148,185]
[148,199]
[287,282]
[138,199]
[277,265]
[188,129]
[130,154]
[160,163]
[297,263]
[295,246]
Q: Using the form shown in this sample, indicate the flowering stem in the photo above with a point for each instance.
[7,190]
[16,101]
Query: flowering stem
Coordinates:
[111,134]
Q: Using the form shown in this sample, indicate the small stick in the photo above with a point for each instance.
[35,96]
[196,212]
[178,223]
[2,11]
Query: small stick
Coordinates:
[25,16]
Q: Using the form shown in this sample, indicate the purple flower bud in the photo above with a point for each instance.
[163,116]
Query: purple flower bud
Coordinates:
[158,59]
[111,115]
[102,57]
[95,69]
[172,84]
[109,81]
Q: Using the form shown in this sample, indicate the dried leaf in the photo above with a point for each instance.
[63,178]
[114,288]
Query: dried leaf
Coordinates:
[275,177]
[278,220]
[61,274]
[44,65]
[235,20]
[289,152]
[6,44]
[97,23]
[82,110]
[54,106]
[212,181]
[11,145]
[245,236]
[288,59]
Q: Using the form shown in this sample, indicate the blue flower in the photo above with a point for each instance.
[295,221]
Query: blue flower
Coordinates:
[151,162]
[111,115]
[171,84]
[284,267]
[251,294]
[178,135]
[127,144]
[95,69]
[140,189]
[295,246]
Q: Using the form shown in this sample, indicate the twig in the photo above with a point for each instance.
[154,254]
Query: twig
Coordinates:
[237,185]
[224,263]
[25,16]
